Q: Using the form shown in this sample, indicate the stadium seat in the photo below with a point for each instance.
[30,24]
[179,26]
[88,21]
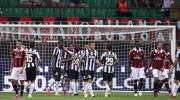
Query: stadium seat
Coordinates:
[12,3]
[73,20]
[67,12]
[82,12]
[124,21]
[3,3]
[94,20]
[25,19]
[11,12]
[51,12]
[49,19]
[37,12]
[3,19]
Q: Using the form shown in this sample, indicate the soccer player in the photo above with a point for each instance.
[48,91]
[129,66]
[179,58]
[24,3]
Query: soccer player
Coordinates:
[90,57]
[177,71]
[82,68]
[157,66]
[108,59]
[167,66]
[66,64]
[18,62]
[32,66]
[137,62]
[56,67]
[74,71]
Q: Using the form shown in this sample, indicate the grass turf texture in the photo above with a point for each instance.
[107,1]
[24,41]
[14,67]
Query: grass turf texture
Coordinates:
[99,96]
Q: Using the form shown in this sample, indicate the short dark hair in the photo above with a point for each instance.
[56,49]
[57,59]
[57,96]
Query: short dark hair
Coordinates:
[19,41]
[109,47]
[32,44]
[178,43]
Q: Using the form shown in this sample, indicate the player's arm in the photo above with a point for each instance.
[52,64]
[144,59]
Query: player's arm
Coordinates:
[115,58]
[151,61]
[130,60]
[24,61]
[97,60]
[38,61]
[54,56]
[12,60]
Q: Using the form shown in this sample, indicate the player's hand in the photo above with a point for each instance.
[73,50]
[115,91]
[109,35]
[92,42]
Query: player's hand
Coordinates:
[37,69]
[162,69]
[21,71]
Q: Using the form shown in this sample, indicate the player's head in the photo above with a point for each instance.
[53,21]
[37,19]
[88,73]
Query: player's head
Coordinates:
[92,45]
[178,44]
[60,44]
[109,47]
[159,45]
[166,46]
[137,44]
[71,46]
[77,48]
[32,44]
[86,46]
[18,44]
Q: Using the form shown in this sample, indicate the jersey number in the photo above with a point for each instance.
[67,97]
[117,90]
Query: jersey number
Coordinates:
[109,61]
[29,58]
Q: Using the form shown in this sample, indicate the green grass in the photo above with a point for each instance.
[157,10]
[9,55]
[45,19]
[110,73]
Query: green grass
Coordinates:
[99,96]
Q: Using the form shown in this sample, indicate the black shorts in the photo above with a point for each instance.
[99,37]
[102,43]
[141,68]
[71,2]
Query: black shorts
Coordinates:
[107,76]
[83,75]
[57,74]
[177,75]
[73,75]
[30,74]
[89,75]
[66,73]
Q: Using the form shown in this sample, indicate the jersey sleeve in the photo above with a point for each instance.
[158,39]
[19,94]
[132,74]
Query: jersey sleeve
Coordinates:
[96,55]
[24,54]
[102,56]
[130,54]
[37,54]
[177,54]
[55,51]
[115,56]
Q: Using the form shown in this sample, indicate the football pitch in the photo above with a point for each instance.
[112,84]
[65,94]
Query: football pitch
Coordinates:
[99,96]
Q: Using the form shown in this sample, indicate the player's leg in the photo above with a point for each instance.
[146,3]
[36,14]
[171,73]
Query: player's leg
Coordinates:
[83,77]
[51,82]
[134,75]
[105,79]
[88,87]
[57,77]
[66,82]
[77,82]
[141,80]
[22,78]
[14,76]
[156,81]
[176,84]
[31,77]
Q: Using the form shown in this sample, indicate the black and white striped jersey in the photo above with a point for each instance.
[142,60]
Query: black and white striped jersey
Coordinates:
[75,62]
[66,65]
[177,68]
[57,53]
[90,57]
[108,59]
[32,56]
[81,54]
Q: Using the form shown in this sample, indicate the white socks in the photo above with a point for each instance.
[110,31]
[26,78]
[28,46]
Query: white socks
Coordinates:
[89,87]
[107,88]
[51,82]
[174,89]
[31,88]
[56,87]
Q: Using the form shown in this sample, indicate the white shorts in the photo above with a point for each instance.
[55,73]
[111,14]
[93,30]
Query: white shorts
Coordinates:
[15,74]
[165,74]
[137,73]
[158,74]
